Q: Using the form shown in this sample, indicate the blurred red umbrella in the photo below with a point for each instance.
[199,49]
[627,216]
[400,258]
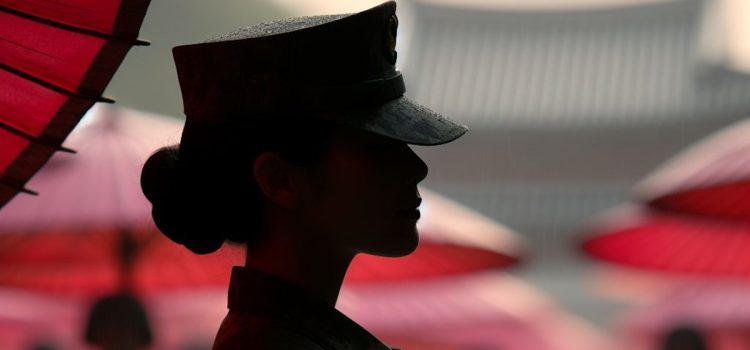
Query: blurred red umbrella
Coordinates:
[711,178]
[91,232]
[56,58]
[695,217]
[639,237]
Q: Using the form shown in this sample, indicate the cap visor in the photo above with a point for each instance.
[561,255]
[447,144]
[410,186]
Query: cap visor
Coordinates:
[405,120]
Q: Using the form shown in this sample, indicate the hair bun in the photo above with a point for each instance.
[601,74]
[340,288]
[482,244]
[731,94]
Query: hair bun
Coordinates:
[175,211]
[160,175]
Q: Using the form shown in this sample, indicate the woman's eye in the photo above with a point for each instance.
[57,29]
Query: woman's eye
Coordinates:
[383,146]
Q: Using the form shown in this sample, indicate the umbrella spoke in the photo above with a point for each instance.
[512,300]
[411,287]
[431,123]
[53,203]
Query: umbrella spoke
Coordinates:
[129,40]
[57,59]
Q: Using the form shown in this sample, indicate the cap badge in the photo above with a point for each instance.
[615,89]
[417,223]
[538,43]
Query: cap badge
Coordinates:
[390,38]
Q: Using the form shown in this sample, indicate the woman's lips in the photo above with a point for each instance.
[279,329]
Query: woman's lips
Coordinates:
[409,214]
[410,211]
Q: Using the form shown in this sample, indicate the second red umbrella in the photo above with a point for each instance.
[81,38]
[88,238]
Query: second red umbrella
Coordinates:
[711,178]
[683,244]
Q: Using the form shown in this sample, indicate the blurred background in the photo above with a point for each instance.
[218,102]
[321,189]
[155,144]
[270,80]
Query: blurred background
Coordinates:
[606,146]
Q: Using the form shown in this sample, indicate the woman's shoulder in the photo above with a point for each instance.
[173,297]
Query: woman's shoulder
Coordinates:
[245,332]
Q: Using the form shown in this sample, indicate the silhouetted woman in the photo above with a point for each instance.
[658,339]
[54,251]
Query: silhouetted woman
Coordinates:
[295,144]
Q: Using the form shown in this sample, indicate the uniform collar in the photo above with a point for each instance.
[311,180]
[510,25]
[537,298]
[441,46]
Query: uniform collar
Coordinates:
[258,293]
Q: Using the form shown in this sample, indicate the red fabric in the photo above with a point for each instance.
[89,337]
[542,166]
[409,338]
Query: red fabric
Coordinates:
[726,201]
[52,54]
[57,58]
[681,244]
[95,15]
[27,106]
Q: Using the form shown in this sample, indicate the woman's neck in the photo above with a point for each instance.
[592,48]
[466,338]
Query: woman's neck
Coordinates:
[310,265]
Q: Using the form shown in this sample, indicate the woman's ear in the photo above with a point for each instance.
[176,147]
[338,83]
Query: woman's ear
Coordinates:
[276,179]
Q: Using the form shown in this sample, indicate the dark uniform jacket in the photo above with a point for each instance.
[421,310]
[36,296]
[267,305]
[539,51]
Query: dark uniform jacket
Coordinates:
[266,313]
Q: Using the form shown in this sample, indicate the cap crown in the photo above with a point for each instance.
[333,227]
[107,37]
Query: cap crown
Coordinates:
[307,64]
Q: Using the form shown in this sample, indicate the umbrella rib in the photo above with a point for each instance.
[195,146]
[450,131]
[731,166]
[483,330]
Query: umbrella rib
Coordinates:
[54,87]
[33,139]
[126,40]
[20,189]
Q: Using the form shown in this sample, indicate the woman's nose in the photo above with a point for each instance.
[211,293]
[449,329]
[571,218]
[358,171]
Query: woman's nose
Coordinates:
[417,166]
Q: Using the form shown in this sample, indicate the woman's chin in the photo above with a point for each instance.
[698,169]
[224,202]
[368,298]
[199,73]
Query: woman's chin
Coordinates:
[398,245]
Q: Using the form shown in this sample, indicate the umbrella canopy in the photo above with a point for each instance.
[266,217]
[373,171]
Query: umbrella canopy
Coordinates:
[90,232]
[55,61]
[639,237]
[711,178]
[99,186]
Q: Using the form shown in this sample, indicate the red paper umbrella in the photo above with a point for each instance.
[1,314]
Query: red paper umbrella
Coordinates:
[645,239]
[711,178]
[56,58]
[90,232]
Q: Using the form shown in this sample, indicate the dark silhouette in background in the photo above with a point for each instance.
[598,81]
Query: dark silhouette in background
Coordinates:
[118,322]
[684,338]
[43,345]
